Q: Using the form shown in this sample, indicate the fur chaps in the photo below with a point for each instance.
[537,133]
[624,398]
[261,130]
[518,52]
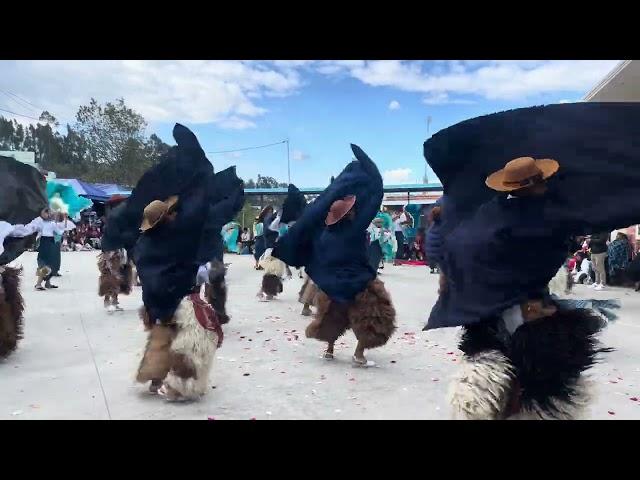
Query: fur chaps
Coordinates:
[181,354]
[308,293]
[215,290]
[537,373]
[11,310]
[371,316]
[116,274]
[271,284]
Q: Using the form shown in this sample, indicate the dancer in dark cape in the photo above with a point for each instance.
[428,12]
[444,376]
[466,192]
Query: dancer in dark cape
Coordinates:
[330,241]
[180,206]
[504,230]
[116,269]
[22,198]
[276,225]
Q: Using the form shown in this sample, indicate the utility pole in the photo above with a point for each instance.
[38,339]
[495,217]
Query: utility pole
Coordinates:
[288,163]
[426,175]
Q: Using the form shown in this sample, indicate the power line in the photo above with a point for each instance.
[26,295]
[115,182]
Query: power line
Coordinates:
[12,96]
[249,148]
[27,101]
[19,114]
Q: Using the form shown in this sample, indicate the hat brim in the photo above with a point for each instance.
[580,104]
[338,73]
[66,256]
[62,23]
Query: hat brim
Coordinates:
[495,181]
[147,225]
[332,218]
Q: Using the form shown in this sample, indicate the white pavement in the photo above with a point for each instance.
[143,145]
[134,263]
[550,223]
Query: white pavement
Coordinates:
[78,362]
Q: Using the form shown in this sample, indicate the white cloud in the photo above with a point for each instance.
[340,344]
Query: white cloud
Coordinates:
[231,94]
[442,98]
[299,156]
[489,79]
[394,105]
[398,175]
[223,92]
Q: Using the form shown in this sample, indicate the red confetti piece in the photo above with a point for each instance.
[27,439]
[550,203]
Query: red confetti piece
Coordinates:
[210,418]
[613,381]
[634,399]
[252,418]
[449,353]
[611,412]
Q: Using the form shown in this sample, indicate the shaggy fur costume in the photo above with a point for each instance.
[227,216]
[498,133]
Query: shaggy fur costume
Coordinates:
[308,293]
[536,373]
[180,353]
[371,316]
[274,271]
[215,290]
[562,283]
[271,284]
[116,275]
[11,309]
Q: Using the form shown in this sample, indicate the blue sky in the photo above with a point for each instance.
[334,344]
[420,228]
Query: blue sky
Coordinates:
[321,106]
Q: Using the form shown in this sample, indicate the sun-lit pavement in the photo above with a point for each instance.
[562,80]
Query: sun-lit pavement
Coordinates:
[78,362]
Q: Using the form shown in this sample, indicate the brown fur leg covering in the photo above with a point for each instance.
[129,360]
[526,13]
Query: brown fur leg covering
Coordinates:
[308,293]
[372,316]
[156,361]
[126,283]
[331,320]
[216,290]
[271,284]
[11,309]
[182,366]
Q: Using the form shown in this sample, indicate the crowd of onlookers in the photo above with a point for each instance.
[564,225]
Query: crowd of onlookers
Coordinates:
[599,261]
[85,237]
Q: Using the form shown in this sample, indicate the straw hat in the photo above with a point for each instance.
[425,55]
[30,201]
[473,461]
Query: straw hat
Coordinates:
[155,212]
[339,209]
[521,173]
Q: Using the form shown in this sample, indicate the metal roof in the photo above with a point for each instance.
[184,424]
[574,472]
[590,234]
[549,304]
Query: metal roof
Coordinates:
[414,187]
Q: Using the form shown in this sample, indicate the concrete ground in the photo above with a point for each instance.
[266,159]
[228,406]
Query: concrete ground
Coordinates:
[78,362]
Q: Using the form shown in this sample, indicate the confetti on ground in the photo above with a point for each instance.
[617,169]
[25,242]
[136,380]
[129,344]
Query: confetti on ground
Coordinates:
[611,412]
[633,399]
[211,418]
[246,374]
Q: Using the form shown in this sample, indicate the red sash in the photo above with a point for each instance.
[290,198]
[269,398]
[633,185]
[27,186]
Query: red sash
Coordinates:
[206,316]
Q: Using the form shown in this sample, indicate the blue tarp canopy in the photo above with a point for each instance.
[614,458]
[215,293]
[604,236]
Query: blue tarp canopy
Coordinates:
[100,192]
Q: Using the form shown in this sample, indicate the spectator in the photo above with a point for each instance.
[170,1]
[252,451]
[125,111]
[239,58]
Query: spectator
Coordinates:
[598,246]
[619,255]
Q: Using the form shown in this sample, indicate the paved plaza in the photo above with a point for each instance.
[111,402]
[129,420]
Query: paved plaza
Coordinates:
[78,362]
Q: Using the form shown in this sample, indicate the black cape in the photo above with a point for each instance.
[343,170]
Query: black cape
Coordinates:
[336,257]
[23,195]
[497,250]
[293,205]
[167,257]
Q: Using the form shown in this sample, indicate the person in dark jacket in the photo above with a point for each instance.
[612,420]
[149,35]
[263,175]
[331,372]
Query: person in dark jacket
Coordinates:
[330,241]
[598,246]
[433,244]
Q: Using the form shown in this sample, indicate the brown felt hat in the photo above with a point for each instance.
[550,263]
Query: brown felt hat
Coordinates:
[522,173]
[339,209]
[155,212]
